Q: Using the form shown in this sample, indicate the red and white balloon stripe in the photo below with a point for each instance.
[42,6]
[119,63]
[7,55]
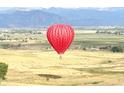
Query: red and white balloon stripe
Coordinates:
[60,36]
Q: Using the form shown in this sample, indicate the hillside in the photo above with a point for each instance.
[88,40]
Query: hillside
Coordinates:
[30,17]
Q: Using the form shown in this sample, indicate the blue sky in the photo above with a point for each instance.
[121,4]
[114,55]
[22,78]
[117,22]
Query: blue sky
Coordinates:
[62,3]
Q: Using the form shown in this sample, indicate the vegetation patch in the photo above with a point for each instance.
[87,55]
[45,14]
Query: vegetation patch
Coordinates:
[3,70]
[107,62]
[99,71]
[49,76]
[94,82]
[117,49]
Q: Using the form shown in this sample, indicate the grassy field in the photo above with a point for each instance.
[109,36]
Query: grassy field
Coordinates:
[28,67]
[39,41]
[94,40]
[35,63]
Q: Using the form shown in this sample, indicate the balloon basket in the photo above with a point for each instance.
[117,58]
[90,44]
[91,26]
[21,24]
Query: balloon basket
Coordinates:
[60,57]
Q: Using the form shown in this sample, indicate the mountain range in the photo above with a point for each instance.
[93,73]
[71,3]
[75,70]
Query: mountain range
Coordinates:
[38,17]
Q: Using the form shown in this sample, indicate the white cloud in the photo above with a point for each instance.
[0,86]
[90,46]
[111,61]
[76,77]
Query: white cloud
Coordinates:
[104,9]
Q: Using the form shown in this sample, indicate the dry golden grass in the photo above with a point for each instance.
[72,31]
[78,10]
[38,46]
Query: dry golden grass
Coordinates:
[29,67]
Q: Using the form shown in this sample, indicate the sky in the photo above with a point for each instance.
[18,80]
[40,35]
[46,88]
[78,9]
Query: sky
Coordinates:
[62,3]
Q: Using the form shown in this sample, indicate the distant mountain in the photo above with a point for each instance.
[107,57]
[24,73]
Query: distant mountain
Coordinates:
[37,17]
[91,16]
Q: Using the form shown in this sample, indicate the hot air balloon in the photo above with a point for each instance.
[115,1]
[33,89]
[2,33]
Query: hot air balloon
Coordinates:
[60,36]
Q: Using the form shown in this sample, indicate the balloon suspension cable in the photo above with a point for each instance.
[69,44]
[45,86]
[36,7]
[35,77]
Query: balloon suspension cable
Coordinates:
[60,57]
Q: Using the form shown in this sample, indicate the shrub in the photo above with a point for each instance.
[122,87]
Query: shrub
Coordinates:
[84,48]
[109,61]
[117,49]
[3,70]
[5,46]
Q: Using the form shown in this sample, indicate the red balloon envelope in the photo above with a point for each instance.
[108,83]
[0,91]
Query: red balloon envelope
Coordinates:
[60,36]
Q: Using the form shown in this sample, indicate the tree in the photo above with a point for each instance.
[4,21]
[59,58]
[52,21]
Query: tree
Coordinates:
[3,70]
[117,49]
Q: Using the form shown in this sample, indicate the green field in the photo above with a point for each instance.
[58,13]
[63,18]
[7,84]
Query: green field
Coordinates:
[93,40]
[81,40]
